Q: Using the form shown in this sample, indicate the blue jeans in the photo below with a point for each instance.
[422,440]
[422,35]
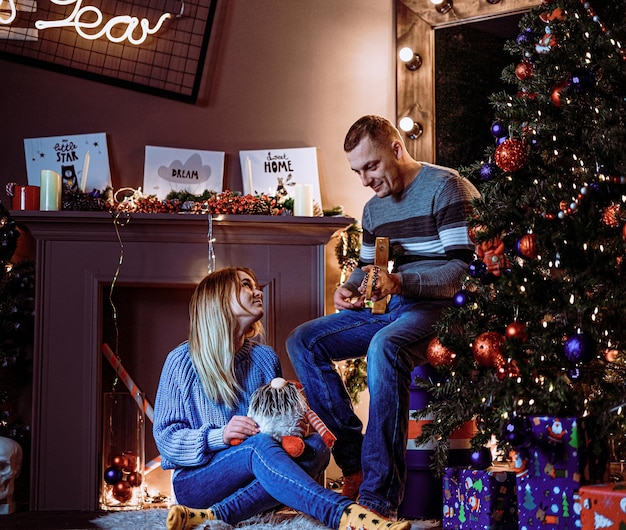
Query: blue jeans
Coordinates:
[258,475]
[394,343]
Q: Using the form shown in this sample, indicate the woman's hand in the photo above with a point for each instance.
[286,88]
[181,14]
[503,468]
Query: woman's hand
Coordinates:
[240,428]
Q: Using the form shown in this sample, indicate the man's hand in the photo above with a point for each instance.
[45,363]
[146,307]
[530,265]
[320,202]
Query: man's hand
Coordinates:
[385,284]
[345,299]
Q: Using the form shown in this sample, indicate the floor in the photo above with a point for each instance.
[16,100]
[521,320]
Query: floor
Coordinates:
[81,521]
[49,520]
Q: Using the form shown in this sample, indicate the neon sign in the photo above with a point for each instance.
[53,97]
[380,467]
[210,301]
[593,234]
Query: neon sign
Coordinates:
[117,29]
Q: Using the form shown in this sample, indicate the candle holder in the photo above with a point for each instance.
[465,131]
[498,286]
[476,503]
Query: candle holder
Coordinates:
[123,451]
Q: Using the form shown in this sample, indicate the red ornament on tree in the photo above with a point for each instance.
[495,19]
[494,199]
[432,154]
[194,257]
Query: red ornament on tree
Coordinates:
[488,348]
[555,95]
[527,246]
[511,155]
[524,70]
[438,355]
[516,330]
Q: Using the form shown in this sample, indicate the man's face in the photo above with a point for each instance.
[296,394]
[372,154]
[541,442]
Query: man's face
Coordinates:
[377,167]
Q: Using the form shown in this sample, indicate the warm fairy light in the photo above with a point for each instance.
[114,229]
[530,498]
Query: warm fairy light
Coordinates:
[520,402]
[531,401]
[77,21]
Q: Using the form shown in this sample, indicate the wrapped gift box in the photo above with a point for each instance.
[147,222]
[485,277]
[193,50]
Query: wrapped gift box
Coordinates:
[603,506]
[548,475]
[479,499]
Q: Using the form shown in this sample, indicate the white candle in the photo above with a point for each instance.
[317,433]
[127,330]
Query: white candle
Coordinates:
[50,190]
[303,200]
[83,181]
[250,190]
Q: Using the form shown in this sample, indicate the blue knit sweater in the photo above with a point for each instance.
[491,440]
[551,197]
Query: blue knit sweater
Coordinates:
[189,428]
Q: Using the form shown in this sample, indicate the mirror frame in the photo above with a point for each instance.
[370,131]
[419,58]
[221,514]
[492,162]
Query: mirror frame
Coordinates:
[416,21]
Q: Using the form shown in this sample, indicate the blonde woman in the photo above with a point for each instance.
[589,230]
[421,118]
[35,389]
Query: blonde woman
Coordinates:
[201,407]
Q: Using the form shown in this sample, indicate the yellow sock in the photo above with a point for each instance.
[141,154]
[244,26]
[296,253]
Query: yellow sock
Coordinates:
[182,518]
[357,517]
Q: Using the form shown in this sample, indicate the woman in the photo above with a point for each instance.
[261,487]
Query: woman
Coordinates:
[201,407]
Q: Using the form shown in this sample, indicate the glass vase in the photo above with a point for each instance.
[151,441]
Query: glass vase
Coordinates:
[123,451]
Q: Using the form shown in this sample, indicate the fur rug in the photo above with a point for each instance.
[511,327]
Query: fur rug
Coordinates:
[155,520]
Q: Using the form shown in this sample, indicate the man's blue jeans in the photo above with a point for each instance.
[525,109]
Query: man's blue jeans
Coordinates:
[257,476]
[393,343]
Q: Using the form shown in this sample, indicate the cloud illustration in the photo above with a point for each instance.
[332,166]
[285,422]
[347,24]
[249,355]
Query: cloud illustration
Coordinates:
[191,172]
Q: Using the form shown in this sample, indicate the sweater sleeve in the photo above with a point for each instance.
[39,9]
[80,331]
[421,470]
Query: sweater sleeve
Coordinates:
[180,435]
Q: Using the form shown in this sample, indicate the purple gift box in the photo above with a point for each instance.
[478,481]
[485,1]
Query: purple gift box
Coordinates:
[479,499]
[548,473]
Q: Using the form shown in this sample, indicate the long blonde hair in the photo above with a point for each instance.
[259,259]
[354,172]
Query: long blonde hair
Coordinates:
[214,334]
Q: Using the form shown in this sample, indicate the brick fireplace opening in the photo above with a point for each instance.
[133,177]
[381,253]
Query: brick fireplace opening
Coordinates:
[153,262]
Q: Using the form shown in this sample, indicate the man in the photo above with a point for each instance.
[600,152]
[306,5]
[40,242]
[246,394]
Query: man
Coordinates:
[422,209]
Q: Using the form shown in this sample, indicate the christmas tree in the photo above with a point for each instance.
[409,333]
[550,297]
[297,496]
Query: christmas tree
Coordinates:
[539,325]
[17,294]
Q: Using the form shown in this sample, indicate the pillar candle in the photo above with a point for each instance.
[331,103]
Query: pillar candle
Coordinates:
[50,190]
[249,183]
[303,200]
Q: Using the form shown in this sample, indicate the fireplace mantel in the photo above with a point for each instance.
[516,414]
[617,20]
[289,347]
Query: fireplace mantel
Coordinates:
[78,255]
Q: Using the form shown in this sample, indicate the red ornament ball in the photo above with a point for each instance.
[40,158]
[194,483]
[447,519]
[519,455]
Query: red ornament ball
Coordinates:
[488,348]
[511,155]
[135,479]
[516,331]
[122,491]
[438,355]
[524,70]
[611,215]
[527,246]
[132,461]
[120,462]
[555,95]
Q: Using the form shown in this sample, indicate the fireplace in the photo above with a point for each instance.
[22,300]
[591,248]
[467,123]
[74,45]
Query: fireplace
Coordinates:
[141,269]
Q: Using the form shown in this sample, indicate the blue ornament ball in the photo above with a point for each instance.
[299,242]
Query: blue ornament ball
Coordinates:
[517,431]
[580,348]
[112,475]
[477,268]
[575,374]
[461,298]
[488,171]
[526,38]
[582,80]
[480,458]
[498,129]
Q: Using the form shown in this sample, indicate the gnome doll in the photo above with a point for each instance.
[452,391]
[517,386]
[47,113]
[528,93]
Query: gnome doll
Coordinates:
[280,409]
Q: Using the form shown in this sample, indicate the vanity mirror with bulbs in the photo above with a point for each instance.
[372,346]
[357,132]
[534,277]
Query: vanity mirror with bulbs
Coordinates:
[435,40]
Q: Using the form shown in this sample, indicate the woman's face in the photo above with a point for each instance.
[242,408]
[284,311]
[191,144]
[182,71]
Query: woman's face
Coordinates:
[249,308]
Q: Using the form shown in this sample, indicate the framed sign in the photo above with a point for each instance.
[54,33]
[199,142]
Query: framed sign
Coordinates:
[82,160]
[171,169]
[278,172]
[156,46]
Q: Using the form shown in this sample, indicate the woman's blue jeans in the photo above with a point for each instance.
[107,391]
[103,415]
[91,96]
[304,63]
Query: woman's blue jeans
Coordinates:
[257,476]
[393,343]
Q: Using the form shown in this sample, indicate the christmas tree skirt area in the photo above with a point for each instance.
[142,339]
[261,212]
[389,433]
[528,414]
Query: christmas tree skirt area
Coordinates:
[282,520]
